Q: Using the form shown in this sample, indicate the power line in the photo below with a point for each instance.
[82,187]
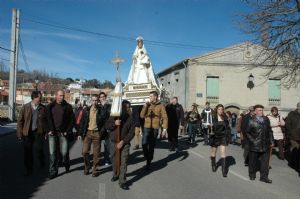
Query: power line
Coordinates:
[23,54]
[6,49]
[150,42]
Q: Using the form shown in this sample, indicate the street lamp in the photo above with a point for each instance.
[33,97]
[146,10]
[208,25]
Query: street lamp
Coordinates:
[250,83]
[36,83]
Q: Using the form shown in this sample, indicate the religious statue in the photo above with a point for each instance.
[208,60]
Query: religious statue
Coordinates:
[141,69]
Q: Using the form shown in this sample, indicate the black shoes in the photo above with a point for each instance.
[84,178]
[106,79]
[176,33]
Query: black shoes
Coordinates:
[124,186]
[67,169]
[115,178]
[252,178]
[51,176]
[28,173]
[266,180]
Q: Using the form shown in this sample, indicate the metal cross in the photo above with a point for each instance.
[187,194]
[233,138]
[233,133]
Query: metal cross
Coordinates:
[117,61]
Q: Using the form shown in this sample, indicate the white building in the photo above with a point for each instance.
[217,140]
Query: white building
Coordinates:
[223,77]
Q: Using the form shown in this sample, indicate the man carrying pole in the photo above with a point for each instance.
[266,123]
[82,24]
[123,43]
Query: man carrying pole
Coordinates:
[121,130]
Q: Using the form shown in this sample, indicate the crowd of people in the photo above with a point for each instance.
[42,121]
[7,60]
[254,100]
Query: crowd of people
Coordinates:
[56,122]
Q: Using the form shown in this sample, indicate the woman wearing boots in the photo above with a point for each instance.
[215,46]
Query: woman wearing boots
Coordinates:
[219,138]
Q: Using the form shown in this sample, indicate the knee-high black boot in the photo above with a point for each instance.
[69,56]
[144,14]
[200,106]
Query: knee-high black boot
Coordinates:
[224,169]
[213,164]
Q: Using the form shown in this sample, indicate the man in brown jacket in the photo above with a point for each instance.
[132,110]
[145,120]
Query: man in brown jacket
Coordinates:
[30,130]
[153,112]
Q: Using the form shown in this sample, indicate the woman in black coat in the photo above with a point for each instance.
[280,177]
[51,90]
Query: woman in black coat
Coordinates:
[219,137]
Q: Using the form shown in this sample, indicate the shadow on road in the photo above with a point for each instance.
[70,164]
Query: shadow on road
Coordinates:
[13,183]
[157,165]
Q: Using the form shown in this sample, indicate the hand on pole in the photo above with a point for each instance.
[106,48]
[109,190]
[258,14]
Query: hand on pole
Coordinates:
[120,144]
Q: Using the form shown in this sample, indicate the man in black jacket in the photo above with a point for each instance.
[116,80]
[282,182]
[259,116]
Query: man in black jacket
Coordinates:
[175,120]
[105,107]
[90,129]
[293,133]
[127,125]
[260,137]
[245,121]
[60,122]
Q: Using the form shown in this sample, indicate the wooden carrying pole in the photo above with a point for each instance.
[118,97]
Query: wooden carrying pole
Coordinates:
[117,106]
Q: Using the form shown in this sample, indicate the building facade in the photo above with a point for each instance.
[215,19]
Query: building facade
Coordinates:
[228,76]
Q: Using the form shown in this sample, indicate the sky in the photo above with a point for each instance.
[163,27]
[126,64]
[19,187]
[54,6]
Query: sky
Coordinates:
[207,24]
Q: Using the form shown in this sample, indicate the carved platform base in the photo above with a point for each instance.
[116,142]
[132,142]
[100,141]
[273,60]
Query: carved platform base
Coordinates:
[138,94]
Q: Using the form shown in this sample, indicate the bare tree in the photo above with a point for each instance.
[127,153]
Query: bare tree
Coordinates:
[276,25]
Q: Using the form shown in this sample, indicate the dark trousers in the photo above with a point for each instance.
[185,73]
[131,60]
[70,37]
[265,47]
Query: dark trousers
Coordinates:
[206,132]
[264,163]
[148,143]
[106,145]
[193,128]
[279,144]
[294,160]
[33,142]
[124,154]
[245,146]
[173,137]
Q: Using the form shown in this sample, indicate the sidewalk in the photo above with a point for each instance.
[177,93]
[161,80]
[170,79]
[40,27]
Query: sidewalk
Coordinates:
[8,129]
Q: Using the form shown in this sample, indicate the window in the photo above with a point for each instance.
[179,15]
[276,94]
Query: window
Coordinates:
[212,89]
[274,91]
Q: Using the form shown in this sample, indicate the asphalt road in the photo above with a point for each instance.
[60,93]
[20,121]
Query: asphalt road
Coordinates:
[182,175]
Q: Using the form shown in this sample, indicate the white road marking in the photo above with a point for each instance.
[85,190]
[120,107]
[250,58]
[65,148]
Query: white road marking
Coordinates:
[101,193]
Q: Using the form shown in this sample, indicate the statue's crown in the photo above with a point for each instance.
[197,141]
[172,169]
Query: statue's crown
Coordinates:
[139,38]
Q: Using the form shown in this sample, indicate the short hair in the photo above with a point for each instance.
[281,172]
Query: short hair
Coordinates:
[175,98]
[274,108]
[298,104]
[251,108]
[94,95]
[258,106]
[207,103]
[102,93]
[35,94]
[61,91]
[154,93]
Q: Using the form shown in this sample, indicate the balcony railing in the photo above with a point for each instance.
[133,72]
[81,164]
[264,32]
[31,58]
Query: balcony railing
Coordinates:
[212,99]
[274,101]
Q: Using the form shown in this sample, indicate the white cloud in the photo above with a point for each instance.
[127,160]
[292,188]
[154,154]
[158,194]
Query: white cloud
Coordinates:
[70,36]
[74,59]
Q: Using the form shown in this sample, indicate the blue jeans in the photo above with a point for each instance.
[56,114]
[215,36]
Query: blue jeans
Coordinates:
[58,142]
[106,145]
[233,135]
[148,143]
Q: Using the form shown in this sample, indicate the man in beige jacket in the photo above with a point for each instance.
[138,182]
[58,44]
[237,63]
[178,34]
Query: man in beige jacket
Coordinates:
[153,112]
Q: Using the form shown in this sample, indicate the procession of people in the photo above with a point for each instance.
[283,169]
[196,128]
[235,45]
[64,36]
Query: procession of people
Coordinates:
[57,123]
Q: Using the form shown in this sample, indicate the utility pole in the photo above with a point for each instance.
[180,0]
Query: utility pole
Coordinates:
[13,63]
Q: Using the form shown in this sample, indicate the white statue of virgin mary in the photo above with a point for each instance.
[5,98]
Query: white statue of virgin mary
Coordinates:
[141,69]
